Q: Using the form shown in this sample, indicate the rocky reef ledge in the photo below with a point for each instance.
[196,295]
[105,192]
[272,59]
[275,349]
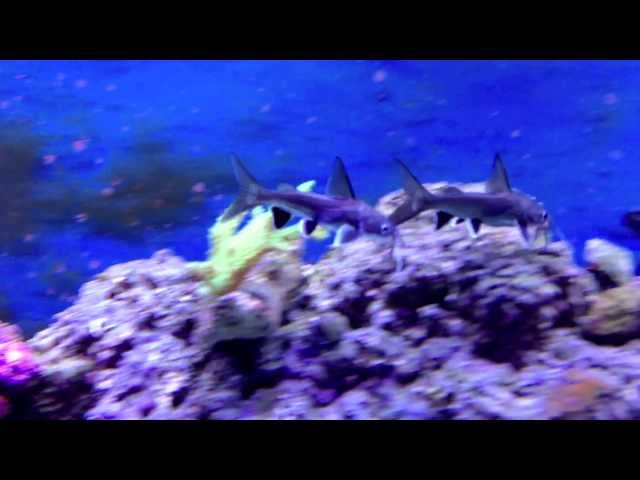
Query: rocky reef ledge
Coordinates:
[469,329]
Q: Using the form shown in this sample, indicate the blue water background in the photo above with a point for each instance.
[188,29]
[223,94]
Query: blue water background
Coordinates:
[567,131]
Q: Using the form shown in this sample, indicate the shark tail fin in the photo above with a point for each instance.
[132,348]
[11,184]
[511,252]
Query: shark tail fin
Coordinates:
[249,190]
[418,197]
[412,186]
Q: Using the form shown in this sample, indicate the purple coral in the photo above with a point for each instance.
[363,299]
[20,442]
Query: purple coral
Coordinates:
[17,362]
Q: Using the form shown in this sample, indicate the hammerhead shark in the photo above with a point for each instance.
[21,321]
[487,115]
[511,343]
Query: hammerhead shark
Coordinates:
[338,209]
[498,206]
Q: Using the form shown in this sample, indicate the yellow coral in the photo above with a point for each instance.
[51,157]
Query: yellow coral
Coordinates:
[233,252]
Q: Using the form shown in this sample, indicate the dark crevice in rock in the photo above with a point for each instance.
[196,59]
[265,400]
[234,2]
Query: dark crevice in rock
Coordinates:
[83,345]
[149,323]
[128,392]
[185,330]
[261,379]
[147,410]
[179,396]
[355,310]
[420,292]
[612,339]
[119,351]
[503,339]
[244,354]
[604,280]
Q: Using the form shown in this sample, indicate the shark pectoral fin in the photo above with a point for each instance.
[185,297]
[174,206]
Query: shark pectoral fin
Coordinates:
[280,217]
[473,226]
[524,231]
[442,218]
[345,234]
[307,227]
[459,221]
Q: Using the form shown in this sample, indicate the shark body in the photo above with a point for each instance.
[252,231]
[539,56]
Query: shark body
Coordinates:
[498,206]
[337,210]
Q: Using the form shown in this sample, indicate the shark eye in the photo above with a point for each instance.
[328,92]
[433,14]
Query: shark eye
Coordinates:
[545,216]
[385,229]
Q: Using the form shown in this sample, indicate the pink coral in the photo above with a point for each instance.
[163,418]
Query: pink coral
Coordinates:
[17,363]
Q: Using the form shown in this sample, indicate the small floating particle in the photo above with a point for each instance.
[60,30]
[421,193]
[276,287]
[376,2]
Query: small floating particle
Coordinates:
[60,268]
[311,120]
[4,104]
[99,161]
[265,108]
[29,237]
[80,145]
[81,83]
[81,217]
[49,159]
[379,76]
[199,187]
[94,264]
[516,133]
[616,154]
[610,99]
[107,191]
[111,87]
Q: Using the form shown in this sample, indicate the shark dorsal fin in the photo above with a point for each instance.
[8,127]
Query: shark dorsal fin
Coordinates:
[499,181]
[339,184]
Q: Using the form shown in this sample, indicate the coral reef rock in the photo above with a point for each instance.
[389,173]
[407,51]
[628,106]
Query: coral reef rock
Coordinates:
[615,262]
[469,329]
[614,317]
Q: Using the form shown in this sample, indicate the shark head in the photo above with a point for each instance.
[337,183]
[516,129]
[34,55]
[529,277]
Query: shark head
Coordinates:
[532,212]
[529,212]
[375,224]
[526,210]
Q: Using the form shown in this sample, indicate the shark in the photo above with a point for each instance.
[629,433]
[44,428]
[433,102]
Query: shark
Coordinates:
[499,206]
[337,209]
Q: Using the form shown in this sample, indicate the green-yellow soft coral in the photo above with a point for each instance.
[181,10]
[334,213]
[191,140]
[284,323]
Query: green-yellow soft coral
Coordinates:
[233,252]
